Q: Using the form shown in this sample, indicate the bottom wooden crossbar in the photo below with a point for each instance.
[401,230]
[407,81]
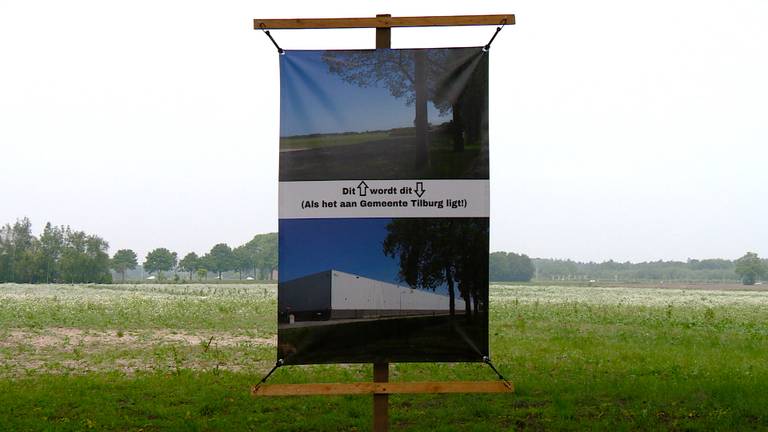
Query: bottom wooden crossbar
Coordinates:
[382,388]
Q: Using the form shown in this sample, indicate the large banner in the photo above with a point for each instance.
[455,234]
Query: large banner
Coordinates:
[383,206]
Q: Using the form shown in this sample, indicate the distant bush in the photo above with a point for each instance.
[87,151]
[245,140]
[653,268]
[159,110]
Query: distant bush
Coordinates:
[511,267]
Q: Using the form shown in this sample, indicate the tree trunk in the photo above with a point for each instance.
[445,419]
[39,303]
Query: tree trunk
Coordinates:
[468,305]
[451,292]
[420,122]
[457,127]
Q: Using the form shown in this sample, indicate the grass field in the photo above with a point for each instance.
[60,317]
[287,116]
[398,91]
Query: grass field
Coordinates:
[329,140]
[165,357]
[377,155]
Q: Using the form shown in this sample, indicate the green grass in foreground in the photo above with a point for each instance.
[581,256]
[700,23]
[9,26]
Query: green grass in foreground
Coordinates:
[581,359]
[331,140]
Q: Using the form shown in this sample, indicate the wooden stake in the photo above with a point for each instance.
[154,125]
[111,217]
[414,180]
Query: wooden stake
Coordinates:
[383,34]
[380,400]
[381,370]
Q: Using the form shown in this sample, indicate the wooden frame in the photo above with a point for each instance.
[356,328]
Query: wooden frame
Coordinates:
[381,388]
[383,21]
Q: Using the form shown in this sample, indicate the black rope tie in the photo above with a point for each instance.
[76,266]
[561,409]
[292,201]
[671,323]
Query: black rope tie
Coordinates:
[498,29]
[487,360]
[279,50]
[279,363]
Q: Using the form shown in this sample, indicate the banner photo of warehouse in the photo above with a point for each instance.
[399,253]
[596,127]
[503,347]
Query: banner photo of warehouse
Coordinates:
[383,213]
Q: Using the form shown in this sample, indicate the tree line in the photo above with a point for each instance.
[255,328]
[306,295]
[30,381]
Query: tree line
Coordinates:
[749,269]
[61,254]
[436,252]
[258,258]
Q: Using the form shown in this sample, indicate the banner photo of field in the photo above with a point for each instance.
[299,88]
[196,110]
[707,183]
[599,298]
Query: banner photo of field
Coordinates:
[383,206]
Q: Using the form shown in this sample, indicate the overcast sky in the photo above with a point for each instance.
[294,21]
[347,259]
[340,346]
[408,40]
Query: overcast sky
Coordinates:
[626,130]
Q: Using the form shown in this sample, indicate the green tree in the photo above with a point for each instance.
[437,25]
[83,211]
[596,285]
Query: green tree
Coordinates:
[510,266]
[73,256]
[190,263]
[51,247]
[220,259]
[98,270]
[5,254]
[461,88]
[454,80]
[750,268]
[122,261]
[59,254]
[403,72]
[17,263]
[433,252]
[242,260]
[160,260]
[263,251]
[498,266]
[202,273]
[84,258]
[472,265]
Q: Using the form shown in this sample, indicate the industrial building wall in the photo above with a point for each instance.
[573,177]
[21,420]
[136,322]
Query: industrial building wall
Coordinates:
[416,299]
[352,292]
[310,293]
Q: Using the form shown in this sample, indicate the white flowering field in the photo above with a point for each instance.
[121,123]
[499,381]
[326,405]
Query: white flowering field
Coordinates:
[627,296]
[182,357]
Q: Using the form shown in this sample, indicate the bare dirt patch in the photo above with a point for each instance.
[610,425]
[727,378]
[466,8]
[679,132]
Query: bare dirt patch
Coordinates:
[63,337]
[62,350]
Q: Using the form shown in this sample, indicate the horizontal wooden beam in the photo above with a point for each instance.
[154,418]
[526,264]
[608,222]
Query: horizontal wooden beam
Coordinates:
[365,388]
[382,22]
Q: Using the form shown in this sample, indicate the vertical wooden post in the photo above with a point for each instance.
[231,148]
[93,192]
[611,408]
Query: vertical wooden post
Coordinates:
[380,401]
[384,34]
[381,370]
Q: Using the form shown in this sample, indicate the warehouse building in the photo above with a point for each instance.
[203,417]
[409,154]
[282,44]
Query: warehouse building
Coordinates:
[331,295]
